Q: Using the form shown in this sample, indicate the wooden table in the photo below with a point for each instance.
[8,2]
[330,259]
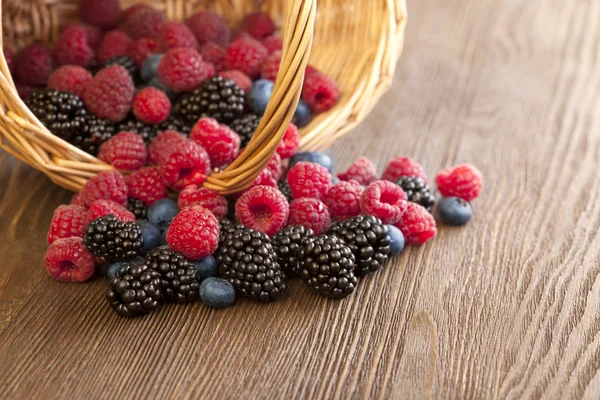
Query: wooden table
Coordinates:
[507,307]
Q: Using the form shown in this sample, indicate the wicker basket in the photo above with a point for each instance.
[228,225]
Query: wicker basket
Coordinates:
[357,42]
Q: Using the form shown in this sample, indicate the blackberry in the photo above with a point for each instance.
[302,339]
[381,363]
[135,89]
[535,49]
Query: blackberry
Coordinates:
[134,291]
[417,191]
[287,242]
[172,124]
[178,280]
[245,127]
[326,266]
[93,133]
[138,208]
[112,240]
[131,124]
[247,259]
[284,187]
[126,63]
[368,239]
[57,111]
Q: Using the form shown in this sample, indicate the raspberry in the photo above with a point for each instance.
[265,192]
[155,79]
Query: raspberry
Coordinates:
[9,56]
[24,90]
[274,167]
[114,43]
[147,185]
[309,213]
[110,94]
[270,67]
[403,166]
[211,200]
[362,170]
[151,106]
[289,143]
[126,151]
[183,163]
[73,47]
[93,33]
[173,35]
[105,14]
[209,27]
[240,78]
[109,185]
[417,224]
[76,200]
[144,22]
[258,24]
[343,200]
[273,44]
[384,200]
[310,70]
[464,181]
[194,232]
[265,178]
[159,143]
[214,54]
[68,260]
[220,142]
[102,208]
[320,92]
[247,55]
[67,221]
[141,49]
[183,70]
[264,209]
[34,64]
[135,8]
[308,179]
[70,78]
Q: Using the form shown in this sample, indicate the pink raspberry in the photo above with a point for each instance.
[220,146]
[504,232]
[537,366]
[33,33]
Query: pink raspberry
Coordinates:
[310,70]
[384,200]
[343,200]
[159,143]
[183,70]
[240,78]
[247,55]
[125,151]
[290,143]
[114,43]
[270,67]
[264,209]
[211,200]
[143,23]
[258,24]
[417,224]
[194,232]
[34,64]
[141,49]
[265,178]
[309,213]
[308,179]
[67,221]
[214,54]
[273,44]
[320,92]
[464,181]
[9,56]
[403,166]
[73,47]
[210,27]
[76,200]
[105,14]
[183,163]
[109,185]
[147,184]
[110,94]
[362,170]
[173,35]
[220,142]
[135,8]
[93,33]
[70,78]
[68,260]
[274,167]
[151,105]
[102,208]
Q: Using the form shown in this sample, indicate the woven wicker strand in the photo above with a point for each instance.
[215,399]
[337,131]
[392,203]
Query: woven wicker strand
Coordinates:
[357,42]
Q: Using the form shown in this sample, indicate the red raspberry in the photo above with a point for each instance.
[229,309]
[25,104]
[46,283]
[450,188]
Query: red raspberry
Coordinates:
[110,94]
[109,185]
[105,14]
[240,78]
[151,105]
[145,22]
[362,170]
[68,260]
[403,166]
[209,27]
[135,8]
[417,224]
[194,232]
[270,67]
[141,49]
[258,24]
[67,221]
[464,181]
[24,91]
[125,151]
[183,70]
[147,185]
[9,56]
[102,208]
[34,64]
[247,55]
[76,200]
[73,47]
[384,200]
[183,163]
[114,43]
[310,70]
[93,33]
[290,143]
[220,142]
[343,200]
[274,167]
[273,44]
[308,179]
[309,213]
[70,78]
[265,178]
[173,35]
[214,54]
[159,143]
[211,200]
[263,208]
[320,92]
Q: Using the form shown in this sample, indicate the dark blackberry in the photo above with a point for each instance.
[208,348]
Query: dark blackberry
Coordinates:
[112,240]
[326,266]
[417,191]
[287,242]
[368,239]
[284,187]
[131,124]
[245,127]
[178,280]
[134,291]
[126,63]
[57,111]
[247,259]
[172,124]
[138,208]
[94,132]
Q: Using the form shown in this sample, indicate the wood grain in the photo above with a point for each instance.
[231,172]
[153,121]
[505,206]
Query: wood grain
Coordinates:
[507,307]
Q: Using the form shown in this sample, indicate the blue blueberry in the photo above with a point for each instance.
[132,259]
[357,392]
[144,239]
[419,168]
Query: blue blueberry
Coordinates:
[397,240]
[217,292]
[110,270]
[454,211]
[259,94]
[157,83]
[150,67]
[162,212]
[206,268]
[151,234]
[302,116]
[335,180]
[313,156]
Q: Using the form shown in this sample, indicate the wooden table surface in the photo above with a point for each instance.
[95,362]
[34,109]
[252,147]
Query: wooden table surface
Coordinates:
[506,307]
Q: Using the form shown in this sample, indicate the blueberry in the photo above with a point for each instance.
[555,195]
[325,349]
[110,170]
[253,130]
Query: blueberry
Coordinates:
[217,292]
[111,269]
[162,212]
[150,67]
[454,211]
[335,180]
[259,94]
[302,116]
[397,240]
[313,156]
[206,268]
[157,83]
[151,234]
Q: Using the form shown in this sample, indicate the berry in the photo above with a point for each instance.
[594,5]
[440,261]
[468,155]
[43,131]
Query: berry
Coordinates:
[326,266]
[93,33]
[245,127]
[310,213]
[417,224]
[151,234]
[34,64]
[397,241]
[105,14]
[313,157]
[258,24]
[259,94]
[162,212]
[143,23]
[210,27]
[134,291]
[138,208]
[9,56]
[208,198]
[110,270]
[362,170]
[454,211]
[173,35]
[68,260]
[194,232]
[183,163]
[126,151]
[240,78]
[303,115]
[265,178]
[464,181]
[112,240]
[90,132]
[263,208]
[125,62]
[270,66]
[217,293]
[320,92]
[73,47]
[151,106]
[417,191]
[308,179]
[247,55]
[220,142]
[149,68]
[135,8]
[214,54]
[173,123]
[289,143]
[285,189]
[178,280]
[287,243]
[384,200]
[403,166]
[70,79]
[206,268]
[141,50]
[274,167]
[102,208]
[159,142]
[343,200]
[273,43]
[67,221]
[108,185]
[110,94]
[146,185]
[183,70]
[115,43]
[24,91]
[59,112]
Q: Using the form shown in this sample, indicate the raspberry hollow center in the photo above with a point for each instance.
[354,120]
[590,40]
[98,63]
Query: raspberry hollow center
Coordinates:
[388,198]
[261,212]
[66,265]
